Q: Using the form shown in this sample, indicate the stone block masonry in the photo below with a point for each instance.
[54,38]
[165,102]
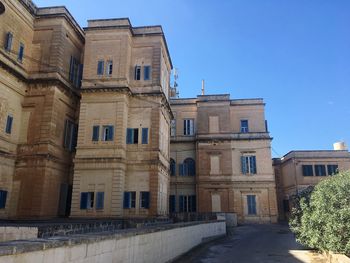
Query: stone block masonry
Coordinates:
[150,244]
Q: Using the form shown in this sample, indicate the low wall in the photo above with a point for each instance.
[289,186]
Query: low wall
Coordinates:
[336,258]
[8,233]
[150,244]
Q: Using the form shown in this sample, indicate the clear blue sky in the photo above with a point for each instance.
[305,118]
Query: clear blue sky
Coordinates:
[294,54]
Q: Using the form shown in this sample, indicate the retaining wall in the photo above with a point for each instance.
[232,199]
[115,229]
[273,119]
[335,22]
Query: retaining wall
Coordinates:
[151,244]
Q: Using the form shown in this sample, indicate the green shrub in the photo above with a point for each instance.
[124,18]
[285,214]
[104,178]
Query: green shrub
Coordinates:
[323,221]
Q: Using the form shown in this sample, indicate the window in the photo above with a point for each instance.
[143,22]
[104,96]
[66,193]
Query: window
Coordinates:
[132,136]
[187,203]
[244,126]
[172,203]
[8,41]
[147,72]
[137,73]
[332,169]
[20,52]
[307,170]
[100,67]
[95,133]
[75,72]
[251,202]
[129,199]
[144,135]
[173,127]
[87,200]
[3,196]
[109,68]
[108,133]
[188,127]
[172,167]
[9,122]
[188,167]
[100,200]
[144,200]
[320,170]
[70,135]
[248,164]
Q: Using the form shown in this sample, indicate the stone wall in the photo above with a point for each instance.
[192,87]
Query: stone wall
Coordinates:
[155,244]
[9,233]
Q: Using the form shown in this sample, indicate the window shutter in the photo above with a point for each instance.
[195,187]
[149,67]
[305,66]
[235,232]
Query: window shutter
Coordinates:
[21,52]
[66,135]
[9,124]
[191,132]
[126,199]
[147,71]
[74,137]
[8,43]
[129,136]
[181,203]
[3,196]
[100,200]
[71,69]
[146,197]
[95,133]
[80,74]
[110,133]
[100,67]
[185,127]
[181,169]
[144,135]
[252,162]
[243,165]
[83,200]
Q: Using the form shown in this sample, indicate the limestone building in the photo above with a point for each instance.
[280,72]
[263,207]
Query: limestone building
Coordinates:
[121,167]
[40,65]
[297,170]
[221,158]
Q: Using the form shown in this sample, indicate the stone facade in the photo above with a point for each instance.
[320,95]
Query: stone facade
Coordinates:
[129,101]
[229,143]
[37,97]
[299,169]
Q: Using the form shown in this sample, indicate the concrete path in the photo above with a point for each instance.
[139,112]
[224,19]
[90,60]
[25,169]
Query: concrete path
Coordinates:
[253,244]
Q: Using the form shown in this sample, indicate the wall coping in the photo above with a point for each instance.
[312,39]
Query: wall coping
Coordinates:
[24,246]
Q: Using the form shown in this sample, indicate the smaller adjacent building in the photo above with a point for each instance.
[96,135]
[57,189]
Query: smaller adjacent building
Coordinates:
[298,170]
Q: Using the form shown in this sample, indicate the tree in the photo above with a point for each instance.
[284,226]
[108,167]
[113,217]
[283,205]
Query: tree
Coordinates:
[323,222]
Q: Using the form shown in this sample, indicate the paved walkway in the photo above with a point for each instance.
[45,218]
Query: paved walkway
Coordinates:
[253,244]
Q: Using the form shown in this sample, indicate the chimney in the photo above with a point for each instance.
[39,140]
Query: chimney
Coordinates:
[202,86]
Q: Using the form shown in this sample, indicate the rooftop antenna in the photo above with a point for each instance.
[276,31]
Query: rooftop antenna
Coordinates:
[202,86]
[175,92]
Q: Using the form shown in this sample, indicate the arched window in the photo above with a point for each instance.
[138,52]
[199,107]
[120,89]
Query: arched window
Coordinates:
[188,167]
[172,167]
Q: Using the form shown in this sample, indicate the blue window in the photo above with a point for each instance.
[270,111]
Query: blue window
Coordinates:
[187,203]
[132,136]
[95,133]
[87,200]
[108,133]
[144,135]
[129,199]
[332,169]
[251,201]
[9,122]
[3,196]
[144,199]
[307,170]
[244,126]
[100,67]
[137,74]
[172,167]
[188,168]
[248,164]
[70,135]
[8,41]
[147,72]
[21,52]
[172,203]
[320,170]
[100,200]
[188,127]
